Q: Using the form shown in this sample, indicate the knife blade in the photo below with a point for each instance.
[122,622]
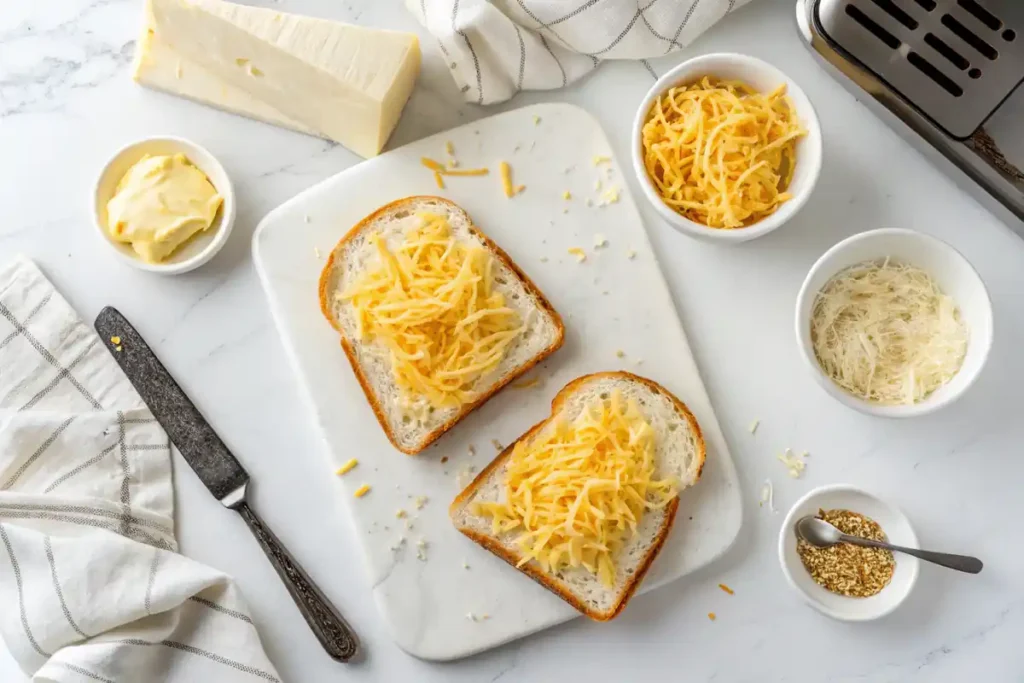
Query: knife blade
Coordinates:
[220,472]
[202,449]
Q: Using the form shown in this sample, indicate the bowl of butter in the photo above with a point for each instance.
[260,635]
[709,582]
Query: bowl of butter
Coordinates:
[164,204]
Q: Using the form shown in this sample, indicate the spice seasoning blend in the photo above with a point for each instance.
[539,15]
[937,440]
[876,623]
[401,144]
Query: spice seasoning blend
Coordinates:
[846,569]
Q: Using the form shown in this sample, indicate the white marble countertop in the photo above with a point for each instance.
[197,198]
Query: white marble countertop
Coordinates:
[66,102]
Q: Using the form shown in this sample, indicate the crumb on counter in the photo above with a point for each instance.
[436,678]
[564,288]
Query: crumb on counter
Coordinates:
[307,219]
[347,466]
[711,616]
[543,259]
[726,589]
[118,348]
[620,353]
[449,148]
[631,254]
[567,195]
[610,196]
[600,241]
[419,502]
[362,491]
[580,255]
[527,383]
[400,513]
[497,445]
[316,252]
[597,184]
[536,120]
[444,459]
[754,425]
[465,565]
[472,449]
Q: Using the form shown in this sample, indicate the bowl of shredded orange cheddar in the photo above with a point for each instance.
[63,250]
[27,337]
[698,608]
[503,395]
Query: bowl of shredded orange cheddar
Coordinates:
[726,147]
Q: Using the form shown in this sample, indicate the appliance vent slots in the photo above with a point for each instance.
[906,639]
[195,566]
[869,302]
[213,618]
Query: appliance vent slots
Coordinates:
[954,60]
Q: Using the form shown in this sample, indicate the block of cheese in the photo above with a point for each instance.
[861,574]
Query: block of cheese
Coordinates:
[342,82]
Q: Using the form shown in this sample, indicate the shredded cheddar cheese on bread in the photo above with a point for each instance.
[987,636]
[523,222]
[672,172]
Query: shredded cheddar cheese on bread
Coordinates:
[577,491]
[431,305]
[720,153]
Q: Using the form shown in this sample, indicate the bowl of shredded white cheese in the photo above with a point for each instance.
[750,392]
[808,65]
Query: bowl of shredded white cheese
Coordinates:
[894,322]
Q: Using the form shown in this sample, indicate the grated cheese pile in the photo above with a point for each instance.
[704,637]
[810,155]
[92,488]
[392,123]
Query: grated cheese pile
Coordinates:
[884,331]
[578,490]
[720,153]
[431,304]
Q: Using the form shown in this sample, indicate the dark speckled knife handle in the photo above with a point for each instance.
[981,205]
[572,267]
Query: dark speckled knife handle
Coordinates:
[330,628]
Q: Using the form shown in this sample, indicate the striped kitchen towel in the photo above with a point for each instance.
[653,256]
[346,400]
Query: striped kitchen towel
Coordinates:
[91,585]
[495,48]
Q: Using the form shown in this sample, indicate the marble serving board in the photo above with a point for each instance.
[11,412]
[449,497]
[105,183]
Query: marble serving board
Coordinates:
[448,598]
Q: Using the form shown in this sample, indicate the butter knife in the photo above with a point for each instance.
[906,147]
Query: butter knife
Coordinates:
[220,471]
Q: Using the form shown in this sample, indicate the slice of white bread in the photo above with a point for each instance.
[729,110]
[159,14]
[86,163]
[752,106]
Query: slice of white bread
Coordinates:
[542,336]
[679,452]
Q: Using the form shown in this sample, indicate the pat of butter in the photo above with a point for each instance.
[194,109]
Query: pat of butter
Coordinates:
[159,204]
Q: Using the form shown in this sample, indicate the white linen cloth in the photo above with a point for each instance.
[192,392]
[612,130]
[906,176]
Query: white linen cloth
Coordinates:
[495,48]
[91,586]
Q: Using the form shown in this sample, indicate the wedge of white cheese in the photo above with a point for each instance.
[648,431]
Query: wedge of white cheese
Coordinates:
[342,82]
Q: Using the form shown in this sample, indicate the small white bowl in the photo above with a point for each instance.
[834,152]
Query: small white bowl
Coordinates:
[950,270]
[196,251]
[897,529]
[762,77]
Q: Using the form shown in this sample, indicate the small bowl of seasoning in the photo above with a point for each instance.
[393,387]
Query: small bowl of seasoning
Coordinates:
[843,581]
[164,204]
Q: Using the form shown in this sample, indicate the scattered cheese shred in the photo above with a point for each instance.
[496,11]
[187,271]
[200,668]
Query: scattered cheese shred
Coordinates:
[431,306]
[115,340]
[347,466]
[794,464]
[506,179]
[720,153]
[449,169]
[432,165]
[711,616]
[527,383]
[754,425]
[536,120]
[886,333]
[631,254]
[362,491]
[580,255]
[601,159]
[567,195]
[600,241]
[726,589]
[577,491]
[449,148]
[419,502]
[768,495]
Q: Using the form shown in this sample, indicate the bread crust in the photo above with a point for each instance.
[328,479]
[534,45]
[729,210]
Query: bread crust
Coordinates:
[324,291]
[532,569]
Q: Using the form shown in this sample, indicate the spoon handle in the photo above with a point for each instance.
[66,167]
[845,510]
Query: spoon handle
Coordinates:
[962,563]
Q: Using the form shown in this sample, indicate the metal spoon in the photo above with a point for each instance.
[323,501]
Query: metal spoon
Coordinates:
[822,534]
